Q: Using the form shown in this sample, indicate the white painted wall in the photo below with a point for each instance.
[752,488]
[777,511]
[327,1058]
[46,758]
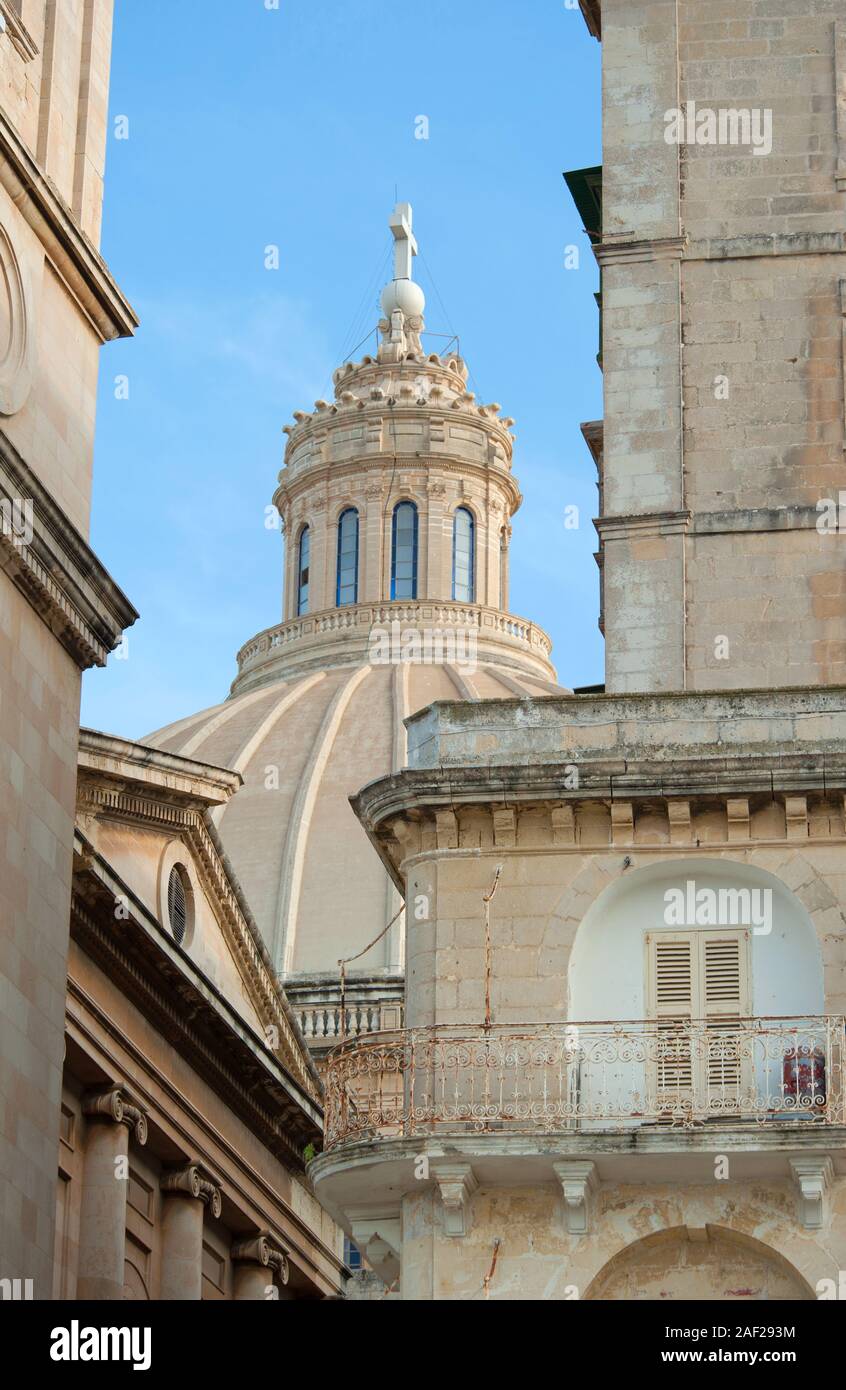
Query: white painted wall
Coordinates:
[608,962]
[608,983]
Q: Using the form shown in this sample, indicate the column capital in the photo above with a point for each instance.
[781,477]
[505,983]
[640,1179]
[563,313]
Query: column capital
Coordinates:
[115,1105]
[265,1250]
[193,1181]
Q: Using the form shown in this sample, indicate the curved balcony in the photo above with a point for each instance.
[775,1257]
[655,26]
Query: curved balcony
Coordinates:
[596,1078]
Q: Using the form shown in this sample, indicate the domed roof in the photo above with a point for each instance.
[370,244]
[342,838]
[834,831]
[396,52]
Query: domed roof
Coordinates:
[304,746]
[396,501]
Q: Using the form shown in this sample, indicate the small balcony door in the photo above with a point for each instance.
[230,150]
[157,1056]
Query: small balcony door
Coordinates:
[699,999]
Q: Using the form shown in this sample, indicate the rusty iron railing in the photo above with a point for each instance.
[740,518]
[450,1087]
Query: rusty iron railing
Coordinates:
[587,1077]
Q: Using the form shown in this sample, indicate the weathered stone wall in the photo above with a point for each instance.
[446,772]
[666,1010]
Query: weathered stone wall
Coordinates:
[57,305]
[545,893]
[39,716]
[727,1241]
[723,346]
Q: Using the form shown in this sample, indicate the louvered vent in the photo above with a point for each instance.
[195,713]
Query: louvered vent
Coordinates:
[177,905]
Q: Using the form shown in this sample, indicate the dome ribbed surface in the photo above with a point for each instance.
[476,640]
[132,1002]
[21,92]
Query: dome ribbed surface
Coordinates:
[303,747]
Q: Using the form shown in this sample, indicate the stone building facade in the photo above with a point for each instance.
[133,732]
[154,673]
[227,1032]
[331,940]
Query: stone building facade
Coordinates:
[723,322]
[60,612]
[189,1097]
[622,1071]
[157,1100]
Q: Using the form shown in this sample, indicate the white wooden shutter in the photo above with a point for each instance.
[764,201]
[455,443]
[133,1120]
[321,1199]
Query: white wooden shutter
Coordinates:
[725,1003]
[701,977]
[672,994]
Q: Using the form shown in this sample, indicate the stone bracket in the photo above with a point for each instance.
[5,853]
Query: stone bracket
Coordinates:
[54,567]
[796,817]
[579,1185]
[813,1177]
[678,813]
[456,1183]
[738,819]
[622,823]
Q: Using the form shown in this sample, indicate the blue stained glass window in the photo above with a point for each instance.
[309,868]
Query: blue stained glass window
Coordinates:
[347,585]
[302,571]
[404,551]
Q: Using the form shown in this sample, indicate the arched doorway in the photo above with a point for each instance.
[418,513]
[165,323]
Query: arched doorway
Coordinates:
[707,1264]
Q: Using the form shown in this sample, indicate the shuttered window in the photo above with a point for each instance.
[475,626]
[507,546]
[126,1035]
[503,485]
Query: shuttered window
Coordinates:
[699,978]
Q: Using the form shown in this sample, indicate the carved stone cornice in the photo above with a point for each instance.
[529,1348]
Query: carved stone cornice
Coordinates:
[592,12]
[74,257]
[56,569]
[642,526]
[622,252]
[376,468]
[264,1250]
[205,1033]
[244,941]
[755,801]
[20,36]
[115,1106]
[193,1181]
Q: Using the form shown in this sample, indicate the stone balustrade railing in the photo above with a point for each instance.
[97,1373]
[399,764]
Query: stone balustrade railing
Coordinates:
[359,619]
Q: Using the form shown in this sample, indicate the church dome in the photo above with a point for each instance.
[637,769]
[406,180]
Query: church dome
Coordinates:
[395,502]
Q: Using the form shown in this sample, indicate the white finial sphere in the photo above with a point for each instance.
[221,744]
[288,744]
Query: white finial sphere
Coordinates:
[405,295]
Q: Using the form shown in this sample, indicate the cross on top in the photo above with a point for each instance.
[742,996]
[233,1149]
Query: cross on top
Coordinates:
[405,244]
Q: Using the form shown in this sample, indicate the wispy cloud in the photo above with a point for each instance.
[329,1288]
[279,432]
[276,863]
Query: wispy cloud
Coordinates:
[273,339]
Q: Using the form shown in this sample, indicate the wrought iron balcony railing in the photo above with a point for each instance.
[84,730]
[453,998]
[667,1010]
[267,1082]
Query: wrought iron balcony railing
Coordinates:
[586,1077]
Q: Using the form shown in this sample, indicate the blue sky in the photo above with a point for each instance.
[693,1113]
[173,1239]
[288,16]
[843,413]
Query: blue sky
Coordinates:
[295,127]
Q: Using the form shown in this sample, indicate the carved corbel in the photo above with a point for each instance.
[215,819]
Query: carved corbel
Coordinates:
[813,1177]
[264,1250]
[115,1105]
[563,825]
[579,1185]
[678,814]
[796,817]
[447,829]
[456,1184]
[737,818]
[622,823]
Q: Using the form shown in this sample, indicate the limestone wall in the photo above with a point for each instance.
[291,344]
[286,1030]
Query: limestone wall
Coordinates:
[725,1242]
[723,347]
